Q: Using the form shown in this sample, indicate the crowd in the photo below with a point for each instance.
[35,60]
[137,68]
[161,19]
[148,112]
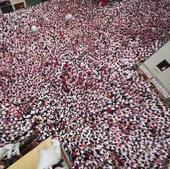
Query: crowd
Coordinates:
[79,79]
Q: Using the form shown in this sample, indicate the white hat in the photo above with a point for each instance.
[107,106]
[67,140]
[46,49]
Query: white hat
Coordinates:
[68,17]
[34,28]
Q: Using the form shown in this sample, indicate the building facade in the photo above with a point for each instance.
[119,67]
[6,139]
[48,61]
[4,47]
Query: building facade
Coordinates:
[157,70]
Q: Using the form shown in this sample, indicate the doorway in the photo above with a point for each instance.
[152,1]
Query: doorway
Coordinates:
[19,6]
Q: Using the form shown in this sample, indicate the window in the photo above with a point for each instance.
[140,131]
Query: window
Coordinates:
[163,65]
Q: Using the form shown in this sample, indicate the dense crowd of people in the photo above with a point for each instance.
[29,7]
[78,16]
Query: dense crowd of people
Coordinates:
[78,77]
